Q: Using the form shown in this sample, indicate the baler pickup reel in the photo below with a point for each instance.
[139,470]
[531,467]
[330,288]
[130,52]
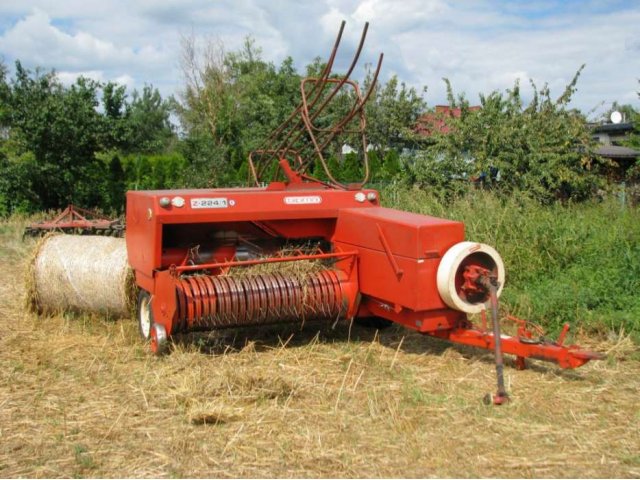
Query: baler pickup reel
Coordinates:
[191,250]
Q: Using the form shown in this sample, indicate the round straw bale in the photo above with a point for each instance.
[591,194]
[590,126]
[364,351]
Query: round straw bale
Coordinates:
[81,273]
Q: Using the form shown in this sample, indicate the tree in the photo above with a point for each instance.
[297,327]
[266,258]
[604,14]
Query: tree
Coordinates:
[543,149]
[633,174]
[114,103]
[148,121]
[229,105]
[633,116]
[61,128]
[57,146]
[392,113]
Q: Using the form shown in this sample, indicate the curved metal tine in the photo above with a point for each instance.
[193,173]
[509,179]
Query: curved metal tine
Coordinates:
[365,155]
[363,119]
[325,74]
[319,87]
[252,168]
[292,125]
[374,82]
[358,107]
[362,100]
[297,127]
[258,171]
[289,153]
[346,76]
[339,85]
[319,155]
[337,126]
[258,166]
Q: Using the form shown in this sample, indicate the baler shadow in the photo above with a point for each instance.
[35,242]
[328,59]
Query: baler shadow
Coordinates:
[396,337]
[265,337]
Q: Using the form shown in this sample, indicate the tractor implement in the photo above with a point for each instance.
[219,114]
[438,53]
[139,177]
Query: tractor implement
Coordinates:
[414,270]
[77,221]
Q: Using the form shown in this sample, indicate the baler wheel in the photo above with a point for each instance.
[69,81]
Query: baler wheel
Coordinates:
[145,315]
[159,341]
[374,322]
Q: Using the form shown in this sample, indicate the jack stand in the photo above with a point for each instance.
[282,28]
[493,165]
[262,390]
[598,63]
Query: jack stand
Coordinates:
[501,397]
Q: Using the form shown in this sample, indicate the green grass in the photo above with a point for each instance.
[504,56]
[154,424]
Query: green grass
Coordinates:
[576,263]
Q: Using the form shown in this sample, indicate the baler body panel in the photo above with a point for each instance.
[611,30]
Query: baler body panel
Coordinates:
[405,274]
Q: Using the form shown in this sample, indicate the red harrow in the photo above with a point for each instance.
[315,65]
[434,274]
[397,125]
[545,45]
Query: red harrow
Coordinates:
[78,221]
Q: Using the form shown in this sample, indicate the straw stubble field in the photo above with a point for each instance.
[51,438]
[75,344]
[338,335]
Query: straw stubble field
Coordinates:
[80,397]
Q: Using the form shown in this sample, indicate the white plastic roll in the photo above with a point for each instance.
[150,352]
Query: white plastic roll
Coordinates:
[451,262]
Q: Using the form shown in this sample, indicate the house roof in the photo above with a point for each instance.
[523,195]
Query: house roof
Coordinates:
[613,127]
[613,151]
[436,122]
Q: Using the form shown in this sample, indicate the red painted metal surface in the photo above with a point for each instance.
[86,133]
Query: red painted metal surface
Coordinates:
[384,263]
[572,356]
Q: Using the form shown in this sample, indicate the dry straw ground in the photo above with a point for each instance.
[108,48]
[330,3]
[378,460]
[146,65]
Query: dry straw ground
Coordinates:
[80,397]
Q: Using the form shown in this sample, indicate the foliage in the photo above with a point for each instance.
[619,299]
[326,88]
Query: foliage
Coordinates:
[392,112]
[90,141]
[51,137]
[154,171]
[543,149]
[147,120]
[230,104]
[61,129]
[633,116]
[140,171]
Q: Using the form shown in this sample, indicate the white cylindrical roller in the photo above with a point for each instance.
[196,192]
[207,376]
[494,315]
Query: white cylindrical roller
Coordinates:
[449,277]
[81,273]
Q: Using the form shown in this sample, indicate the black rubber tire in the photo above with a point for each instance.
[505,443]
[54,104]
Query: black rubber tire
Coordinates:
[374,322]
[144,314]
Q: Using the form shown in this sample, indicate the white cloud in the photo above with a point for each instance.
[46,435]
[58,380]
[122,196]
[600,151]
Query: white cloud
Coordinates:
[125,80]
[69,78]
[480,45]
[34,37]
[399,15]
[479,59]
[36,40]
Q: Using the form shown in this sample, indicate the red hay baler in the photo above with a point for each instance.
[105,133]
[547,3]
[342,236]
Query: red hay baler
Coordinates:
[414,270]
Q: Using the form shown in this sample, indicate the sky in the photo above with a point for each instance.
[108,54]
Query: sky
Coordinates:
[480,45]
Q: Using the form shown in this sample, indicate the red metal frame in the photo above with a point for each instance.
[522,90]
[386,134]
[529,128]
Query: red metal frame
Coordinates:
[73,219]
[572,356]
